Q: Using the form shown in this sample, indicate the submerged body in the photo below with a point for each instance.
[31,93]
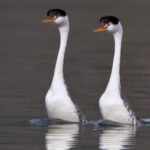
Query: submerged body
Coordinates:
[111,104]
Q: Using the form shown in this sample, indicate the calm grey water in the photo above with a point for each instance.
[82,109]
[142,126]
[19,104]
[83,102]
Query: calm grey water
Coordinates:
[28,51]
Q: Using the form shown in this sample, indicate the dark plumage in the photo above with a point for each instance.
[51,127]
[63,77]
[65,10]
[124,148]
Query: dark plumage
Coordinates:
[56,13]
[109,19]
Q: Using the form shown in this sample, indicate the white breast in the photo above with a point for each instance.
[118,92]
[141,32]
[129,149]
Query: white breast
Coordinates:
[113,108]
[59,105]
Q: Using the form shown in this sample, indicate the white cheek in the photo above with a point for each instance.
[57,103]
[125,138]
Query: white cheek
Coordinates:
[59,20]
[110,28]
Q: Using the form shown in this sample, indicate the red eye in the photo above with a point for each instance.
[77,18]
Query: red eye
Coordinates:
[55,17]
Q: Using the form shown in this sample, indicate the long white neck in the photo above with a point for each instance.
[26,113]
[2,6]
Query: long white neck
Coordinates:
[58,72]
[114,81]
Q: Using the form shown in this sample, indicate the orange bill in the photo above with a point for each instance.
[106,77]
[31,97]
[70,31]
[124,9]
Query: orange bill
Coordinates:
[100,29]
[49,20]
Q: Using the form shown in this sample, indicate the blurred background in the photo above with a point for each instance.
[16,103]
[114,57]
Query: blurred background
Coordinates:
[28,51]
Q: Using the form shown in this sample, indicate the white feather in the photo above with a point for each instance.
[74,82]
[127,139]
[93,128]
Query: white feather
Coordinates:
[111,104]
[58,102]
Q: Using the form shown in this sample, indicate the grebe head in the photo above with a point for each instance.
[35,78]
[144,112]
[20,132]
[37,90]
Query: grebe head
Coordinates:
[110,24]
[56,16]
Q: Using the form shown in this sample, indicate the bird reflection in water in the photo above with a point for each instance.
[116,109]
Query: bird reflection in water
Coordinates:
[117,138]
[61,137]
